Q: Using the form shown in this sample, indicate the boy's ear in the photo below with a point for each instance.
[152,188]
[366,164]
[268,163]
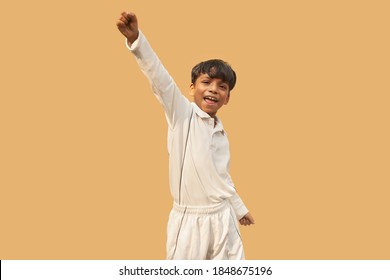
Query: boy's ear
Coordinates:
[192,89]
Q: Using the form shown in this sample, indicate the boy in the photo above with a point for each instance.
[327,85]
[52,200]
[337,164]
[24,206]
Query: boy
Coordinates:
[203,221]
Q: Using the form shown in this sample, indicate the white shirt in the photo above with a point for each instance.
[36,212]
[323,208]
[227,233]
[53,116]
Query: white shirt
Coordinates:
[203,179]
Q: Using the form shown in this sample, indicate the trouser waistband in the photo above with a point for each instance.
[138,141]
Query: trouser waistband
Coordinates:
[207,209]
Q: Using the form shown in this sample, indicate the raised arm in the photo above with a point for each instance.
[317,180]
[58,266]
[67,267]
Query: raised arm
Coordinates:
[175,105]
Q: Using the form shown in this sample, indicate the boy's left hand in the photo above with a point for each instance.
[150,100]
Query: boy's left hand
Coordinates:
[247,220]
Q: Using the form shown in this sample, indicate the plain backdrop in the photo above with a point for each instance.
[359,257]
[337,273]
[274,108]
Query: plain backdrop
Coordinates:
[83,158]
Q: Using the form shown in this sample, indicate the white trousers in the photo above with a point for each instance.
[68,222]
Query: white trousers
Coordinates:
[203,233]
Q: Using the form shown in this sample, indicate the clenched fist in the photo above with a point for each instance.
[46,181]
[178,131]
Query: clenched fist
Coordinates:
[128,26]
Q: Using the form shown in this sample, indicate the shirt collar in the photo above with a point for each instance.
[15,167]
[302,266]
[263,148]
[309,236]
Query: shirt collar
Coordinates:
[202,114]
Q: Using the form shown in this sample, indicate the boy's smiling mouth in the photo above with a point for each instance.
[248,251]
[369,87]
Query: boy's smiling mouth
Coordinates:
[210,99]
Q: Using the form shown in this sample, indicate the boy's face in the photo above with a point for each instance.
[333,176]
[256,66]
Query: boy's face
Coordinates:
[210,94]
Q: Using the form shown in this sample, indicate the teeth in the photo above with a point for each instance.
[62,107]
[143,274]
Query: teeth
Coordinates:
[211,98]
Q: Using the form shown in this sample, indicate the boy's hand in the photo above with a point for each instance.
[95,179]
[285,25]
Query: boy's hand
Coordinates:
[128,26]
[247,220]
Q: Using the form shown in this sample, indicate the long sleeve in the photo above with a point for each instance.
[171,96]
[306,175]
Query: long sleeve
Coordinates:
[165,89]
[239,208]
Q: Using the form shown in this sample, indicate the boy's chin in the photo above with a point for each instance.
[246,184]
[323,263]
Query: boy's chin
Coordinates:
[210,110]
[212,113]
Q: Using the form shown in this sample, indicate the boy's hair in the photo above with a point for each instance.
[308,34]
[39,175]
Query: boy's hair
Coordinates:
[215,68]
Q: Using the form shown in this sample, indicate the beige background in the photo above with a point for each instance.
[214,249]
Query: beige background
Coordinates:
[83,159]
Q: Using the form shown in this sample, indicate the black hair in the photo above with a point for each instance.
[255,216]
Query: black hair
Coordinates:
[215,68]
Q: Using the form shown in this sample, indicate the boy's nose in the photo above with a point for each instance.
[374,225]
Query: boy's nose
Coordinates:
[213,87]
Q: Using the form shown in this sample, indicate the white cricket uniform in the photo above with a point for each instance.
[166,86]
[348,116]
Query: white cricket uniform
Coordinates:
[203,222]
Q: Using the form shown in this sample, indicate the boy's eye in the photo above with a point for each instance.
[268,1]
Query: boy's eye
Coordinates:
[205,82]
[223,86]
